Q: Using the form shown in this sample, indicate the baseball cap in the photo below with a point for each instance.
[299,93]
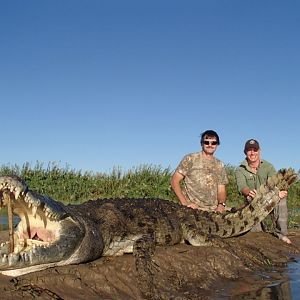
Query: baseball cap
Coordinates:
[251,144]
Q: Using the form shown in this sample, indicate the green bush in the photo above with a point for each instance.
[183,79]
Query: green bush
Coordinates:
[145,181]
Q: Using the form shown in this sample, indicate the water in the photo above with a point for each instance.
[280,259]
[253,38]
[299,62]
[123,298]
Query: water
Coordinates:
[287,288]
[285,285]
[294,276]
[4,219]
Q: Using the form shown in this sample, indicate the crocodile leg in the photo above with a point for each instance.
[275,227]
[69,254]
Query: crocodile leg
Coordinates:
[146,268]
[195,236]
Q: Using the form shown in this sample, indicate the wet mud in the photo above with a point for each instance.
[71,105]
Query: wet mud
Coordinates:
[229,269]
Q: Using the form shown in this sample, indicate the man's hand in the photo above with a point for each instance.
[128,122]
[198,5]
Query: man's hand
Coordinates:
[193,205]
[283,194]
[220,208]
[251,195]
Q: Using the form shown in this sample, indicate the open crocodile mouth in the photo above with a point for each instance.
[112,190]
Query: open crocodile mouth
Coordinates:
[39,229]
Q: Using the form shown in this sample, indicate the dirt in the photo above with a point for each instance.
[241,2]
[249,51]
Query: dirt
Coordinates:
[230,269]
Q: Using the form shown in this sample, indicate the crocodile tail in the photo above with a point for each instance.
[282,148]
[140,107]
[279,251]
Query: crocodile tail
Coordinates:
[267,197]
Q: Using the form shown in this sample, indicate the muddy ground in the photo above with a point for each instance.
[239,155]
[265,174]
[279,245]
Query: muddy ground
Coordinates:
[227,270]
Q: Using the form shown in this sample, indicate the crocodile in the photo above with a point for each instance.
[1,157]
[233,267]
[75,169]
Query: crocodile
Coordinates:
[51,234]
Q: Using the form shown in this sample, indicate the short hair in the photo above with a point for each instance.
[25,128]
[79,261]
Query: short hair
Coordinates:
[209,133]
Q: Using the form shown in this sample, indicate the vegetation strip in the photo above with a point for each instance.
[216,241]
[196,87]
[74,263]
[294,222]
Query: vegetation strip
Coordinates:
[145,181]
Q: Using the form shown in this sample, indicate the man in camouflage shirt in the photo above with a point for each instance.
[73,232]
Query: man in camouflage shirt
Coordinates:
[200,179]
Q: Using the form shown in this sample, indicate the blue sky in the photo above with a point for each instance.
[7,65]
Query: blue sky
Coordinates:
[101,84]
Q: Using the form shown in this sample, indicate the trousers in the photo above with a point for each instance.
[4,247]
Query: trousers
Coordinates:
[280,219]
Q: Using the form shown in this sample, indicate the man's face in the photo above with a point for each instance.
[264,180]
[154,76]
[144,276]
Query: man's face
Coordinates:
[209,145]
[253,155]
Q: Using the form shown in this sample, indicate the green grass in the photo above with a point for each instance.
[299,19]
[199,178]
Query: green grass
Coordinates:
[70,186]
[145,181]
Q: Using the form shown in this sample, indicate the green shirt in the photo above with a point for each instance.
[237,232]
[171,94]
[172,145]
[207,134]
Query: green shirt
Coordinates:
[246,178]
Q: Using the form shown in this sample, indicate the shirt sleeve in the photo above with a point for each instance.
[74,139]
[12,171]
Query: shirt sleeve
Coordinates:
[240,179]
[183,166]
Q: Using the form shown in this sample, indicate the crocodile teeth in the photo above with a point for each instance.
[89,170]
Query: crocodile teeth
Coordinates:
[4,259]
[30,256]
[17,192]
[13,259]
[25,257]
[34,210]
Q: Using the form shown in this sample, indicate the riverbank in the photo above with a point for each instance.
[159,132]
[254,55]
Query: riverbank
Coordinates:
[228,269]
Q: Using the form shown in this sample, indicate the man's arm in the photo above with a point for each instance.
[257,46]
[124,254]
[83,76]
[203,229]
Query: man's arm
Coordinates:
[175,183]
[222,193]
[221,197]
[243,186]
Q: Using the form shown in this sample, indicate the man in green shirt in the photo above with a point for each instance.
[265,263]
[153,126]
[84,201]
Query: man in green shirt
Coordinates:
[250,175]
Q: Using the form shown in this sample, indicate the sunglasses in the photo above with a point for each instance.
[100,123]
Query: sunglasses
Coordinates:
[213,143]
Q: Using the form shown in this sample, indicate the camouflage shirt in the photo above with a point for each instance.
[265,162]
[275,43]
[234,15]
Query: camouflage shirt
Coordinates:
[201,179]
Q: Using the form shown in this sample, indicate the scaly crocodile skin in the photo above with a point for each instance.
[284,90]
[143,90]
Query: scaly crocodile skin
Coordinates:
[52,234]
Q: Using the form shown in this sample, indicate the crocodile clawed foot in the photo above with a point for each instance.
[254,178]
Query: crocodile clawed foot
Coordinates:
[286,239]
[143,251]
